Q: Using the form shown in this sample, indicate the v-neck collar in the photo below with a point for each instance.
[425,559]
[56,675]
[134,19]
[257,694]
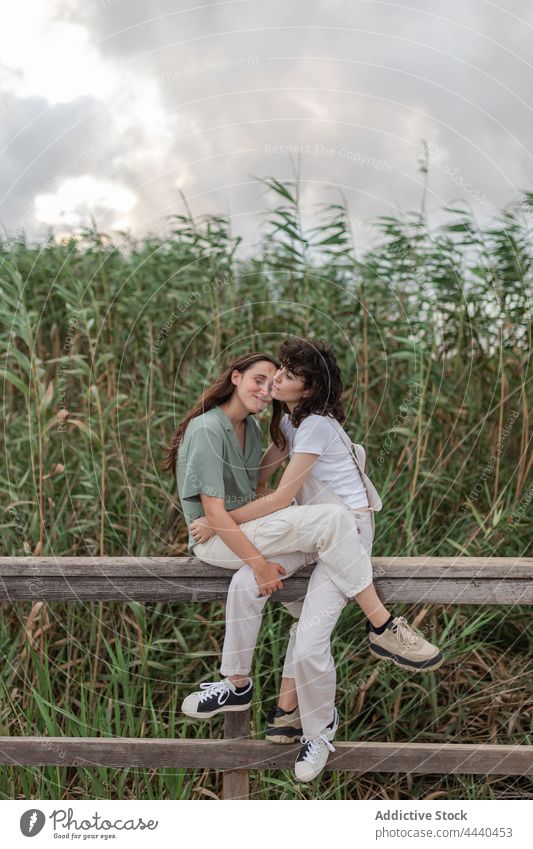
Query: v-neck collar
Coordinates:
[229,427]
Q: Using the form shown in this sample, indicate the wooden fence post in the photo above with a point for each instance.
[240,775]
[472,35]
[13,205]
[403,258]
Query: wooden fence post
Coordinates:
[236,782]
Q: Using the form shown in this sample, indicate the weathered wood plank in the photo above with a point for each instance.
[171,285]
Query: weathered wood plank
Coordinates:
[177,567]
[236,782]
[449,758]
[474,591]
[435,580]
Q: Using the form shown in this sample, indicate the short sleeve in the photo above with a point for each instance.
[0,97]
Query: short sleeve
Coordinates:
[312,437]
[201,465]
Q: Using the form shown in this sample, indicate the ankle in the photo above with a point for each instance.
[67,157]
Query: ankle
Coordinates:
[287,706]
[378,618]
[379,629]
[239,680]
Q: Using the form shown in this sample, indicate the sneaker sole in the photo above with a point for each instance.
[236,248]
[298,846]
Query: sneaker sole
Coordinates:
[276,737]
[232,709]
[403,663]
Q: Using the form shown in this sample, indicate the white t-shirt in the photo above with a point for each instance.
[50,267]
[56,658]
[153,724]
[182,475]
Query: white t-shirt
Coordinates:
[335,465]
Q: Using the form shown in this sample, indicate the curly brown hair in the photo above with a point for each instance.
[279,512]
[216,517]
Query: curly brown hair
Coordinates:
[314,361]
[218,393]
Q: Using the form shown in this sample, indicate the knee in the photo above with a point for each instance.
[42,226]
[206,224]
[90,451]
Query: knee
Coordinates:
[310,647]
[309,657]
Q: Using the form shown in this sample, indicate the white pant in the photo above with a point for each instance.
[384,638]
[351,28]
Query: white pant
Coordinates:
[341,538]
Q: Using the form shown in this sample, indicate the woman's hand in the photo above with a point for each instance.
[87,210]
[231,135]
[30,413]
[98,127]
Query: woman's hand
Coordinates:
[267,575]
[201,530]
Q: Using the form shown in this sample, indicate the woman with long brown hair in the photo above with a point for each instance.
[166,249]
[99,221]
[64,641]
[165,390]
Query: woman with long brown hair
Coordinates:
[216,450]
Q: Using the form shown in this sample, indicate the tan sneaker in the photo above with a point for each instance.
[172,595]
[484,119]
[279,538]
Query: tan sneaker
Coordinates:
[406,647]
[284,726]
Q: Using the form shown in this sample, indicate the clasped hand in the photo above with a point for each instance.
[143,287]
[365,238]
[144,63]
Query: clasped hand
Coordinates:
[201,530]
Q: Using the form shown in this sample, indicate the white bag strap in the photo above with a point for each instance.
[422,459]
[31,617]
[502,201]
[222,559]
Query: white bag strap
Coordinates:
[349,445]
[374,500]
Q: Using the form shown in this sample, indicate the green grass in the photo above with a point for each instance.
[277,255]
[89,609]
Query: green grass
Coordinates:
[50,686]
[433,334]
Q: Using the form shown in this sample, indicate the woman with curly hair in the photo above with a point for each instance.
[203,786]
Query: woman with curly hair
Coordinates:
[307,389]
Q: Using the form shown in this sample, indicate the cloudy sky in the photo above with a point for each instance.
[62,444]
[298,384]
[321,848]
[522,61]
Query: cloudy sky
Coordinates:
[110,107]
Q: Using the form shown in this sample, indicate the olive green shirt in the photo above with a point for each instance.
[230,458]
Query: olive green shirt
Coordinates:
[210,461]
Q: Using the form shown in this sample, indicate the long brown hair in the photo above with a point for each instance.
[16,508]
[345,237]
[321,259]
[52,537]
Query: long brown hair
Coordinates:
[218,393]
[314,361]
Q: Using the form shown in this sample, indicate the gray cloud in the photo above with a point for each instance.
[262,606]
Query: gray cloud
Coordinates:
[210,98]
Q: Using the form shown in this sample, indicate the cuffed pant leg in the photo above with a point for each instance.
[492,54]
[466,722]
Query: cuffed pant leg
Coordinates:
[313,665]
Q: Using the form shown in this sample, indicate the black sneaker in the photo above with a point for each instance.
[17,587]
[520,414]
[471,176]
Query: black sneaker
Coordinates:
[217,697]
[284,726]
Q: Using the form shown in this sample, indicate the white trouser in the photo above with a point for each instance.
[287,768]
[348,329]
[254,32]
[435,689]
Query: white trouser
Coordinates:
[308,658]
[294,537]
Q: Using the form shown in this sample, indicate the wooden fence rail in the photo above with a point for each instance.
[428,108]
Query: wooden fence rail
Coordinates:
[440,580]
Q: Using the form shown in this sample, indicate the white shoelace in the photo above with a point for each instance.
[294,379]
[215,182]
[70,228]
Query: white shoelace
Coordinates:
[313,748]
[215,688]
[405,633]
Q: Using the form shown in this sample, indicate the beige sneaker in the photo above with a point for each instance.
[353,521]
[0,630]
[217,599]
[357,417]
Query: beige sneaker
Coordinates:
[404,646]
[284,726]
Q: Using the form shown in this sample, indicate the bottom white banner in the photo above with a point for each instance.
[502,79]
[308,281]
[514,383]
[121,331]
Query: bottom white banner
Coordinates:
[421,824]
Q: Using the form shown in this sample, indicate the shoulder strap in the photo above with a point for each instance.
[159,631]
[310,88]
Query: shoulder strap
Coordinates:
[374,500]
[349,445]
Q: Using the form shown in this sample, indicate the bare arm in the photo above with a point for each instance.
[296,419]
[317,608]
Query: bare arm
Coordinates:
[267,573]
[291,481]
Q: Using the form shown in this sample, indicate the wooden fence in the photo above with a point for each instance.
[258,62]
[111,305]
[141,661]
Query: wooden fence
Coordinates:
[440,580]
